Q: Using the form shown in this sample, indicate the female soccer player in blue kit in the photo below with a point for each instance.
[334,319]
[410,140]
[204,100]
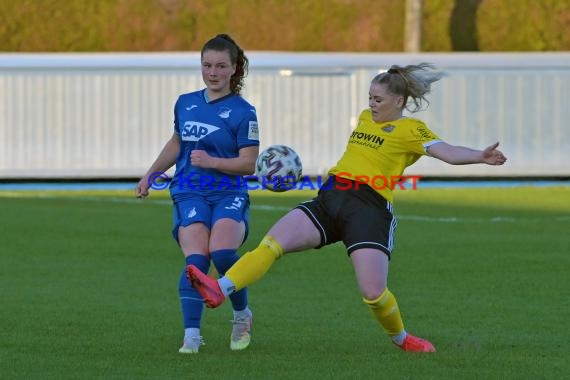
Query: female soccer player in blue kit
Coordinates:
[215,143]
[383,144]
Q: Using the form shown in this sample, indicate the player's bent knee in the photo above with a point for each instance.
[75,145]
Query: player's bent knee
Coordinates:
[373,296]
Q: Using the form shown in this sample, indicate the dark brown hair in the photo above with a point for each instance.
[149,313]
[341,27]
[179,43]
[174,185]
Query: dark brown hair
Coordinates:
[223,42]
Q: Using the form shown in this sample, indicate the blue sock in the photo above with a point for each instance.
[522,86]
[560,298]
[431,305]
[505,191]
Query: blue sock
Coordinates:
[190,300]
[223,260]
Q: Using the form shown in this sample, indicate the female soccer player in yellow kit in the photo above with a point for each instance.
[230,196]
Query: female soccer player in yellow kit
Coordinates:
[383,144]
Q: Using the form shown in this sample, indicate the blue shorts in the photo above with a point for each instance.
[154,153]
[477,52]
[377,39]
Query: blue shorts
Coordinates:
[208,210]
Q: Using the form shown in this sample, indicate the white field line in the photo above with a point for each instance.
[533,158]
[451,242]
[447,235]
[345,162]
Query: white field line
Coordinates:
[270,208]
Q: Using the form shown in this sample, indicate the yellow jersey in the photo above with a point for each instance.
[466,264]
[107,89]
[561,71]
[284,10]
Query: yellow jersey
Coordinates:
[378,153]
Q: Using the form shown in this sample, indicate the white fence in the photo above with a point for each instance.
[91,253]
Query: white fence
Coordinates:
[108,115]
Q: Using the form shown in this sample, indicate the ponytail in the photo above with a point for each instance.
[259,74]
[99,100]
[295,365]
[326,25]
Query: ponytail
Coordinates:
[412,81]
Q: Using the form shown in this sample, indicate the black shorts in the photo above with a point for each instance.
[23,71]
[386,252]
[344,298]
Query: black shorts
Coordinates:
[361,217]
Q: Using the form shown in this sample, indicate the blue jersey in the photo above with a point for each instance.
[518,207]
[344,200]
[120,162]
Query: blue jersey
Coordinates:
[220,127]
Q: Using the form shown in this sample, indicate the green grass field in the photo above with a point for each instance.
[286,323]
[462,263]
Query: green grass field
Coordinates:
[89,291]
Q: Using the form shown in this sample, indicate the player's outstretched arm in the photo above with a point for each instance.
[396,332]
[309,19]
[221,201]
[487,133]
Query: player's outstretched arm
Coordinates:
[460,155]
[163,162]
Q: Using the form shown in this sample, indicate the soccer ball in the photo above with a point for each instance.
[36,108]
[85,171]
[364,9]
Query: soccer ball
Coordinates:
[278,168]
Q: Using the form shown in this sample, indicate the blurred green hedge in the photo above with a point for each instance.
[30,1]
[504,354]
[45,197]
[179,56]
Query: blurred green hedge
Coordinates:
[289,25]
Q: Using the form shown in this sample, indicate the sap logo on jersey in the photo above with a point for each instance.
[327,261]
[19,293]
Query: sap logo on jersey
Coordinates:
[194,131]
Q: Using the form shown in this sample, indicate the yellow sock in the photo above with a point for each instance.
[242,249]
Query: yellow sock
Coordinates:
[385,310]
[254,264]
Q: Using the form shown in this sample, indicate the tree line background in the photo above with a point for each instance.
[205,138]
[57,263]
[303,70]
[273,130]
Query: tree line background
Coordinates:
[287,25]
